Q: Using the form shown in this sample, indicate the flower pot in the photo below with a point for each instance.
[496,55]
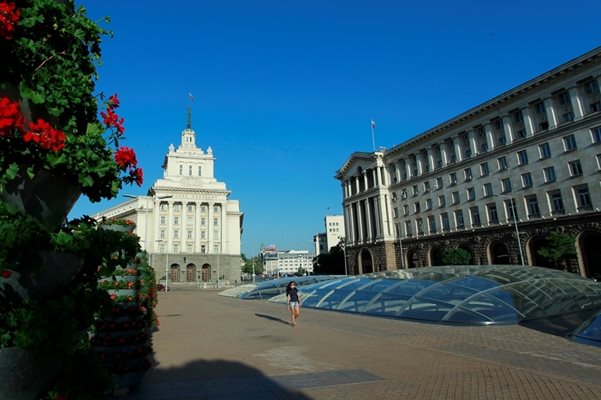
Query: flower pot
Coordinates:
[25,374]
[118,228]
[47,197]
[57,271]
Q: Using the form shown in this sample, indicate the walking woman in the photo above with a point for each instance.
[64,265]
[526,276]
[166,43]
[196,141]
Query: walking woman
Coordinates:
[294,302]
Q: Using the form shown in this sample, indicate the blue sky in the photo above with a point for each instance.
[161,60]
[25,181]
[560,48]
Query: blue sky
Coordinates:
[284,91]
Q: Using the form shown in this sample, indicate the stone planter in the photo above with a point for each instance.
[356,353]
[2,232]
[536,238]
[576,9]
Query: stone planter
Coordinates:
[47,197]
[118,228]
[25,374]
[31,283]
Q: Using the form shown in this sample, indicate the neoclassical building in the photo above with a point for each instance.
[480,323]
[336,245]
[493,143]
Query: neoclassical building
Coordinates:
[493,180]
[187,222]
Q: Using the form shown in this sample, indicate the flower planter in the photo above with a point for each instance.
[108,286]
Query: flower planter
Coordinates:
[57,271]
[118,228]
[25,374]
[47,197]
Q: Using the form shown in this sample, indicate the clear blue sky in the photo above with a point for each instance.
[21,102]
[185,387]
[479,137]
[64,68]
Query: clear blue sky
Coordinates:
[284,91]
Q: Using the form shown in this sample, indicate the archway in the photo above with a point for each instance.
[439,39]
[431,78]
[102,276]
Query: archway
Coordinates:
[205,273]
[590,253]
[174,273]
[498,253]
[412,259]
[436,256]
[366,262]
[191,273]
[532,248]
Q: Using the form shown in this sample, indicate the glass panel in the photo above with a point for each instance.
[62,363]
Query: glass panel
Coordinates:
[491,309]
[424,309]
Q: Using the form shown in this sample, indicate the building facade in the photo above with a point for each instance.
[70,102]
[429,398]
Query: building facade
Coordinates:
[289,262]
[334,226]
[494,181]
[187,222]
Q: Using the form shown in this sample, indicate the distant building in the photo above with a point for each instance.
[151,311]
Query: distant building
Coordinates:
[278,263]
[334,233]
[493,180]
[187,223]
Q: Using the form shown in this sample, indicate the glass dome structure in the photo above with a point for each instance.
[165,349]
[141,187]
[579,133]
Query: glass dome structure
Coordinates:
[274,287]
[474,295]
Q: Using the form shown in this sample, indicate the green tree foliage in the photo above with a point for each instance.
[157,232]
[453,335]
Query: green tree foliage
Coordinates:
[247,268]
[331,263]
[559,248]
[456,257]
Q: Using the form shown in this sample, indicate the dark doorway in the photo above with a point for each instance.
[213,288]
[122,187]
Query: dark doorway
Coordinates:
[499,254]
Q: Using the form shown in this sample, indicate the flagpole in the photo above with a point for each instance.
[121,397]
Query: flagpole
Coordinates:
[373,137]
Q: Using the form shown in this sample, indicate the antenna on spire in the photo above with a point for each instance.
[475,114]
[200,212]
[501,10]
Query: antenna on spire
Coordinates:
[189,124]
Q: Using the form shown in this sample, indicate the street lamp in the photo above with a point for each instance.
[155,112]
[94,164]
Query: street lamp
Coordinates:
[515,222]
[343,245]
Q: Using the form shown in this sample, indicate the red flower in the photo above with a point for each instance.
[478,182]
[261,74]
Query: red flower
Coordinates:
[10,115]
[138,176]
[6,273]
[112,120]
[45,136]
[9,16]
[113,102]
[126,158]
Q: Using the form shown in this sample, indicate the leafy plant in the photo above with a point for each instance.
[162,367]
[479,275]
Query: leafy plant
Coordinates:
[559,248]
[456,256]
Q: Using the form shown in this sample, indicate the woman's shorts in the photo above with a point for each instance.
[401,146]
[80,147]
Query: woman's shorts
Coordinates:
[294,304]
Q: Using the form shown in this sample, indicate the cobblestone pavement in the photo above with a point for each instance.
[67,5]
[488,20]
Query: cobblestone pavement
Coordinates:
[215,347]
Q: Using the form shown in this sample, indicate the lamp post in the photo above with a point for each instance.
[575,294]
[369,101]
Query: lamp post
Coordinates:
[515,222]
[343,245]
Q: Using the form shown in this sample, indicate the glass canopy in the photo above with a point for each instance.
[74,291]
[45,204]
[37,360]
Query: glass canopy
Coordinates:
[503,294]
[273,287]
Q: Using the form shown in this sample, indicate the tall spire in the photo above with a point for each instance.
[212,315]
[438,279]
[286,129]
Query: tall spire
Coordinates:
[189,124]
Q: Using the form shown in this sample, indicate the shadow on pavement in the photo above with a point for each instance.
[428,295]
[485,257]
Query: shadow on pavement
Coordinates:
[207,380]
[271,318]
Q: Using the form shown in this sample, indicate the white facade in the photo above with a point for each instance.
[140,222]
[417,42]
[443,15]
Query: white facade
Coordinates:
[334,230]
[533,152]
[187,220]
[287,262]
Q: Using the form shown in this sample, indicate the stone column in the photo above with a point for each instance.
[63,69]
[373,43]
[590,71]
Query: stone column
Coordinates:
[210,228]
[576,101]
[472,141]
[490,138]
[528,125]
[507,129]
[551,114]
[368,220]
[457,145]
[419,163]
[408,171]
[430,155]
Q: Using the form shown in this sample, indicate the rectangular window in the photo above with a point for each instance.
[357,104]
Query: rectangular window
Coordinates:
[556,202]
[203,221]
[533,209]
[203,249]
[432,224]
[441,200]
[475,216]
[567,117]
[189,234]
[583,198]
[459,222]
[596,134]
[176,234]
[428,204]
[408,229]
[177,207]
[199,170]
[189,170]
[502,161]
[506,185]
[453,178]
[539,107]
[455,197]
[439,184]
[493,215]
[549,174]
[598,156]
[420,226]
[522,157]
[564,98]
[189,248]
[216,209]
[203,234]
[575,168]
[175,220]
[511,210]
[484,169]
[468,174]
[426,186]
[569,143]
[215,221]
[487,189]
[416,208]
[162,234]
[471,194]
[444,221]
[527,180]
[544,150]
[415,190]
[162,221]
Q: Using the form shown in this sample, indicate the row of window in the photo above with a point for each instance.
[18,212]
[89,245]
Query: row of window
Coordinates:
[555,204]
[190,234]
[189,248]
[574,167]
[177,207]
[189,220]
[190,170]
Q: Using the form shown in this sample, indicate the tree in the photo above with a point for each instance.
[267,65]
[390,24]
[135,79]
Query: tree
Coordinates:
[456,257]
[247,268]
[331,263]
[559,248]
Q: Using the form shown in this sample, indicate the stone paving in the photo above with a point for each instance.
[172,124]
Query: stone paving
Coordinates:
[215,347]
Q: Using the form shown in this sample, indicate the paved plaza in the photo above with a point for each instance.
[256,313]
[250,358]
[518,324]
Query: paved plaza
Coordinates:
[215,347]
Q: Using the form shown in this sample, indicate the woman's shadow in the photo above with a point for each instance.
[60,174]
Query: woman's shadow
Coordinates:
[271,318]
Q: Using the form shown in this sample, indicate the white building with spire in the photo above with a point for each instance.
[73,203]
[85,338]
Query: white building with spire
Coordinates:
[187,222]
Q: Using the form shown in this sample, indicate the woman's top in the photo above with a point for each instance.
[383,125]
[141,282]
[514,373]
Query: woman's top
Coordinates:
[293,295]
